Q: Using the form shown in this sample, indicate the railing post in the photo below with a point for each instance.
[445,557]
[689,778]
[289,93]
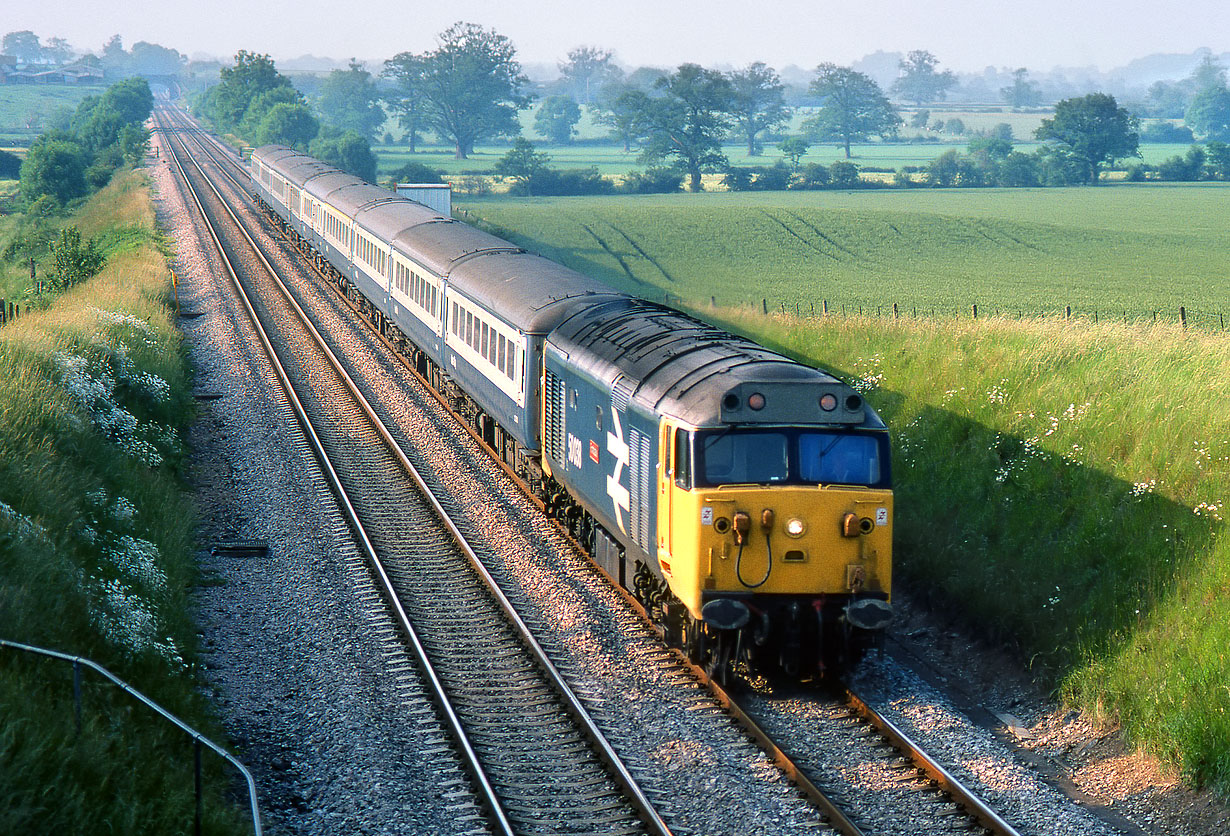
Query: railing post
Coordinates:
[196,773]
[77,693]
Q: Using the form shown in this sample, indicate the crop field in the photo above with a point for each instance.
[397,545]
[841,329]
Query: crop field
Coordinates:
[25,109]
[1122,249]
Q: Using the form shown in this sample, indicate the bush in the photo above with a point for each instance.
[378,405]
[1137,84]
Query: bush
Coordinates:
[1163,131]
[55,168]
[811,176]
[652,181]
[569,182]
[413,172]
[738,179]
[10,166]
[844,175]
[74,260]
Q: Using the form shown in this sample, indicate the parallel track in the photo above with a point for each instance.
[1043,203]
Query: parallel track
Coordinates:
[953,799]
[539,764]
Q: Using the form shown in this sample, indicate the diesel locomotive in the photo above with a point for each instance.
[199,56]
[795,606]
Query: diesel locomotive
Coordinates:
[743,498]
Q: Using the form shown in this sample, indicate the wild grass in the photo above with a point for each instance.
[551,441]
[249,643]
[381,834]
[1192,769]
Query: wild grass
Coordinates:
[1063,489]
[96,550]
[1111,251]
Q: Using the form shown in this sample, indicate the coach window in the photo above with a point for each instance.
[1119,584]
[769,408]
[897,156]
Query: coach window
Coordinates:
[683,459]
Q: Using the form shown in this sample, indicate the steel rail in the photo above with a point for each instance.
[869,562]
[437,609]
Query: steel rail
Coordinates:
[607,753]
[485,790]
[972,804]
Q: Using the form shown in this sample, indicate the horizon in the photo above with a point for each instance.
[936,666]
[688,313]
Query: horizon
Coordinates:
[966,39]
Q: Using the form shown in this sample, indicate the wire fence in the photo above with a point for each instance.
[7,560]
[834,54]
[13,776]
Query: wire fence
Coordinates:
[1209,320]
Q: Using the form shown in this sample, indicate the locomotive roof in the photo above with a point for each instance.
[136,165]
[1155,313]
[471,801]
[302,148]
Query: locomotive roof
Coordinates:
[530,292]
[676,365]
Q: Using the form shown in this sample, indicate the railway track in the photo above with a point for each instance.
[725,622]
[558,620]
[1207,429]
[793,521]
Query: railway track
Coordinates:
[939,796]
[537,761]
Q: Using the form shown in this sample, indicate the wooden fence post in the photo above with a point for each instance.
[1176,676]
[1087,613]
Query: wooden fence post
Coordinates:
[896,315]
[826,307]
[764,303]
[1068,312]
[1182,316]
[975,310]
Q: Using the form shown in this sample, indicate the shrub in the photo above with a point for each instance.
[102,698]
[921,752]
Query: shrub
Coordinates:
[1161,130]
[557,182]
[652,181]
[55,168]
[414,172]
[811,176]
[844,175]
[10,166]
[738,179]
[774,178]
[75,261]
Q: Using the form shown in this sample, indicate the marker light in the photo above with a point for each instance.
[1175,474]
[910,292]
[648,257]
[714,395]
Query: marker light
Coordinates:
[828,402]
[755,401]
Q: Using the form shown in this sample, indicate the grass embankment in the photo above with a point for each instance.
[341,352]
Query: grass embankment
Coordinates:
[96,550]
[1113,249]
[1063,489]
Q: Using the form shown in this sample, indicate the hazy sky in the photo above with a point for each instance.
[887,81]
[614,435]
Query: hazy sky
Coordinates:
[967,36]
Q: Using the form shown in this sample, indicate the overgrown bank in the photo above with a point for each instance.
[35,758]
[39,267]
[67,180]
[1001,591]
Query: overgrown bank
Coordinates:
[1064,490]
[96,551]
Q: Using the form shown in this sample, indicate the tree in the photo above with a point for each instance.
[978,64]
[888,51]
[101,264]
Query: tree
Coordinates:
[406,71]
[1093,129]
[54,167]
[114,58]
[58,51]
[1219,160]
[74,260]
[472,85]
[587,70]
[23,46]
[10,165]
[349,151]
[688,120]
[624,111]
[153,60]
[1023,92]
[557,119]
[1209,113]
[287,124]
[852,107]
[759,103]
[522,162]
[794,147]
[920,119]
[919,82]
[251,76]
[349,101]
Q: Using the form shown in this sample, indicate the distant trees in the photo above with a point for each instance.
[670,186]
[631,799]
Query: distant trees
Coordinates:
[587,70]
[1093,130]
[522,162]
[347,150]
[23,45]
[794,147]
[471,86]
[919,82]
[349,101]
[406,71]
[623,109]
[287,123]
[557,118]
[759,103]
[1208,113]
[1023,92]
[250,80]
[852,107]
[688,120]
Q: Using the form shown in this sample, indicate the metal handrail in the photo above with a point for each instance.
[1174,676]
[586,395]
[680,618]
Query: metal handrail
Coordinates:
[197,738]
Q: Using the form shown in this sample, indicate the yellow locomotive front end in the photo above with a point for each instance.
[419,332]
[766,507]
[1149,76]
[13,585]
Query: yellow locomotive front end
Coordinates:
[776,541]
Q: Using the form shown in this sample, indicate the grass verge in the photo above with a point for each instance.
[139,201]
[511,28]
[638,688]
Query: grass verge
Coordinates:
[96,547]
[1062,489]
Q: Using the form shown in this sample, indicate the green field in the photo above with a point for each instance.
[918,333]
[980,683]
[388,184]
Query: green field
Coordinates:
[1134,248]
[25,109]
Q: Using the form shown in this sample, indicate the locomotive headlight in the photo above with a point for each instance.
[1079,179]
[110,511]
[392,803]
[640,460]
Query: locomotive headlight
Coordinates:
[795,527]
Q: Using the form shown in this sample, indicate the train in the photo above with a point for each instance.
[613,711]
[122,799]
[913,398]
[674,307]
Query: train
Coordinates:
[743,498]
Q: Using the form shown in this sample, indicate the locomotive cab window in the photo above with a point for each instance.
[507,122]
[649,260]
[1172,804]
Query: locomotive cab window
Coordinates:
[683,459]
[791,455]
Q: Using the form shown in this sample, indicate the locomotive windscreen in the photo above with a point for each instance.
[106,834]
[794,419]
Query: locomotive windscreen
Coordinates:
[789,455]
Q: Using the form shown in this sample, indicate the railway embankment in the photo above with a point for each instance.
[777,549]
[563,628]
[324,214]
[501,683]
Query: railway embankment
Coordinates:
[1062,489]
[96,546]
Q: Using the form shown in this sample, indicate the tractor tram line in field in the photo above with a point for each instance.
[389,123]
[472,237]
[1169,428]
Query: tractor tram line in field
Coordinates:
[538,763]
[908,791]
